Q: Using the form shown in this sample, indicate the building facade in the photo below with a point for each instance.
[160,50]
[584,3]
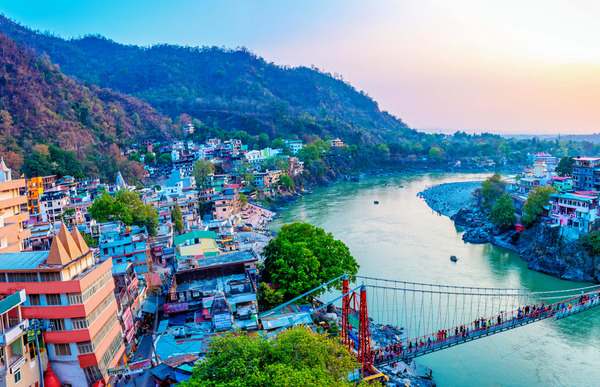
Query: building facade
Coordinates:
[72,296]
[13,212]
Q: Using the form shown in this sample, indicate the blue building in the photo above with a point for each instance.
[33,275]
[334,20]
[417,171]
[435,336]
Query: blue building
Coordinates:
[125,244]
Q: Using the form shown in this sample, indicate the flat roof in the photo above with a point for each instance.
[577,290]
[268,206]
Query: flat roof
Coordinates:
[23,260]
[120,268]
[196,234]
[227,259]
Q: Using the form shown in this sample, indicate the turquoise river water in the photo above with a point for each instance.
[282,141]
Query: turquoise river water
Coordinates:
[401,238]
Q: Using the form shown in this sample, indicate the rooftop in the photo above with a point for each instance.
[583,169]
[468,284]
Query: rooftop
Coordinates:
[24,260]
[196,234]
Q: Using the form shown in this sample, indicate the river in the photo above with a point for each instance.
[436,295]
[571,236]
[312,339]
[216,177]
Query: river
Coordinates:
[401,238]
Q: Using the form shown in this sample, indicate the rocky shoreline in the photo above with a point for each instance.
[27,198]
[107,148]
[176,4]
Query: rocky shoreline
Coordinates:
[541,246]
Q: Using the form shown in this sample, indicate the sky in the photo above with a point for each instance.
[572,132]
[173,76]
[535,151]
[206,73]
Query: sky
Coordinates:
[503,66]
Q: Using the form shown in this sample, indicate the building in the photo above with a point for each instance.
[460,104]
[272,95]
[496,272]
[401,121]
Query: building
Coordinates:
[562,183]
[294,146]
[550,161]
[586,173]
[337,143]
[129,293]
[72,296]
[35,189]
[19,364]
[53,203]
[13,212]
[194,246]
[121,243]
[227,204]
[576,213]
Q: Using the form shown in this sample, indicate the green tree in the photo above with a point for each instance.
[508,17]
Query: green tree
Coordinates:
[565,166]
[491,189]
[503,212]
[302,257]
[287,182]
[177,219]
[436,153]
[243,199]
[150,158]
[534,206]
[591,242]
[296,357]
[202,170]
[127,207]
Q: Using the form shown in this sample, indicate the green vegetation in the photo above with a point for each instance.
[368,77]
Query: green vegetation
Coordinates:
[491,190]
[287,182]
[243,199]
[90,240]
[177,219]
[591,242]
[127,207]
[565,166]
[503,212]
[299,258]
[203,169]
[534,206]
[296,357]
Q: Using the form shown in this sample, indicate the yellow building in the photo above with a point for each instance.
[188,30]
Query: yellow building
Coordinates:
[13,212]
[35,189]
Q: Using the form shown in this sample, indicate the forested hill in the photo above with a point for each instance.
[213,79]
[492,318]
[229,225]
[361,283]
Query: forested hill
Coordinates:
[229,89]
[62,125]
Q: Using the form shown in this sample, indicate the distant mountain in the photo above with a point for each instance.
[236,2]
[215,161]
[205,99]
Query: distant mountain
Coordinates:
[41,105]
[229,89]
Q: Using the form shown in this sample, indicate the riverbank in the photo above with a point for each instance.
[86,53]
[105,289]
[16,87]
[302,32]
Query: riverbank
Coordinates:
[448,198]
[541,246]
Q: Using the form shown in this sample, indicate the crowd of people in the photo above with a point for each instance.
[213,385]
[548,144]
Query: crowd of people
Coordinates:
[482,326]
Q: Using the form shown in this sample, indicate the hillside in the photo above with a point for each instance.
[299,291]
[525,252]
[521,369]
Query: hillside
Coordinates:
[228,89]
[41,105]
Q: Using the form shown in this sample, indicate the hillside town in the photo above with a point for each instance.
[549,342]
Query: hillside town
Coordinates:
[89,302]
[573,203]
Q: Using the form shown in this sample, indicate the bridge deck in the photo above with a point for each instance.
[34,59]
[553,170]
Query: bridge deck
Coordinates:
[480,333]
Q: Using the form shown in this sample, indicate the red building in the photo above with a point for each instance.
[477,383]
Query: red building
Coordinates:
[73,297]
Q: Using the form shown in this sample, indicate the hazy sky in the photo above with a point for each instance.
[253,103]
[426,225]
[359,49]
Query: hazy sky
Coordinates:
[513,66]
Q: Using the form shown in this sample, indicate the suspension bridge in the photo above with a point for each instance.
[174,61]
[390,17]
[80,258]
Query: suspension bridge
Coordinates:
[384,321]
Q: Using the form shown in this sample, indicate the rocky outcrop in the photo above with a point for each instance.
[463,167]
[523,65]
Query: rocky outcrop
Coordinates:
[545,250]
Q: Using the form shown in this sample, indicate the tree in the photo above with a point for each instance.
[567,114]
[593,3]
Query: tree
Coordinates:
[591,242]
[491,189]
[177,219]
[302,257]
[296,357]
[202,170]
[243,199]
[503,212]
[127,207]
[287,182]
[436,153]
[565,166]
[534,206]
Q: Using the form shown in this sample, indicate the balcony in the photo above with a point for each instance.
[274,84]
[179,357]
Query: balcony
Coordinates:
[14,332]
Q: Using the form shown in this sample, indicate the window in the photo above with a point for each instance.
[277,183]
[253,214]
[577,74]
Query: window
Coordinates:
[62,349]
[34,299]
[80,323]
[17,375]
[53,299]
[57,324]
[85,347]
[92,374]
[50,276]
[75,298]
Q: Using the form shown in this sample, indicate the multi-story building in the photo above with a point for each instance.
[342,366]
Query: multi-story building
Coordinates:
[576,213]
[35,189]
[121,243]
[13,212]
[227,204]
[129,293]
[72,296]
[53,203]
[19,362]
[586,173]
[550,161]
